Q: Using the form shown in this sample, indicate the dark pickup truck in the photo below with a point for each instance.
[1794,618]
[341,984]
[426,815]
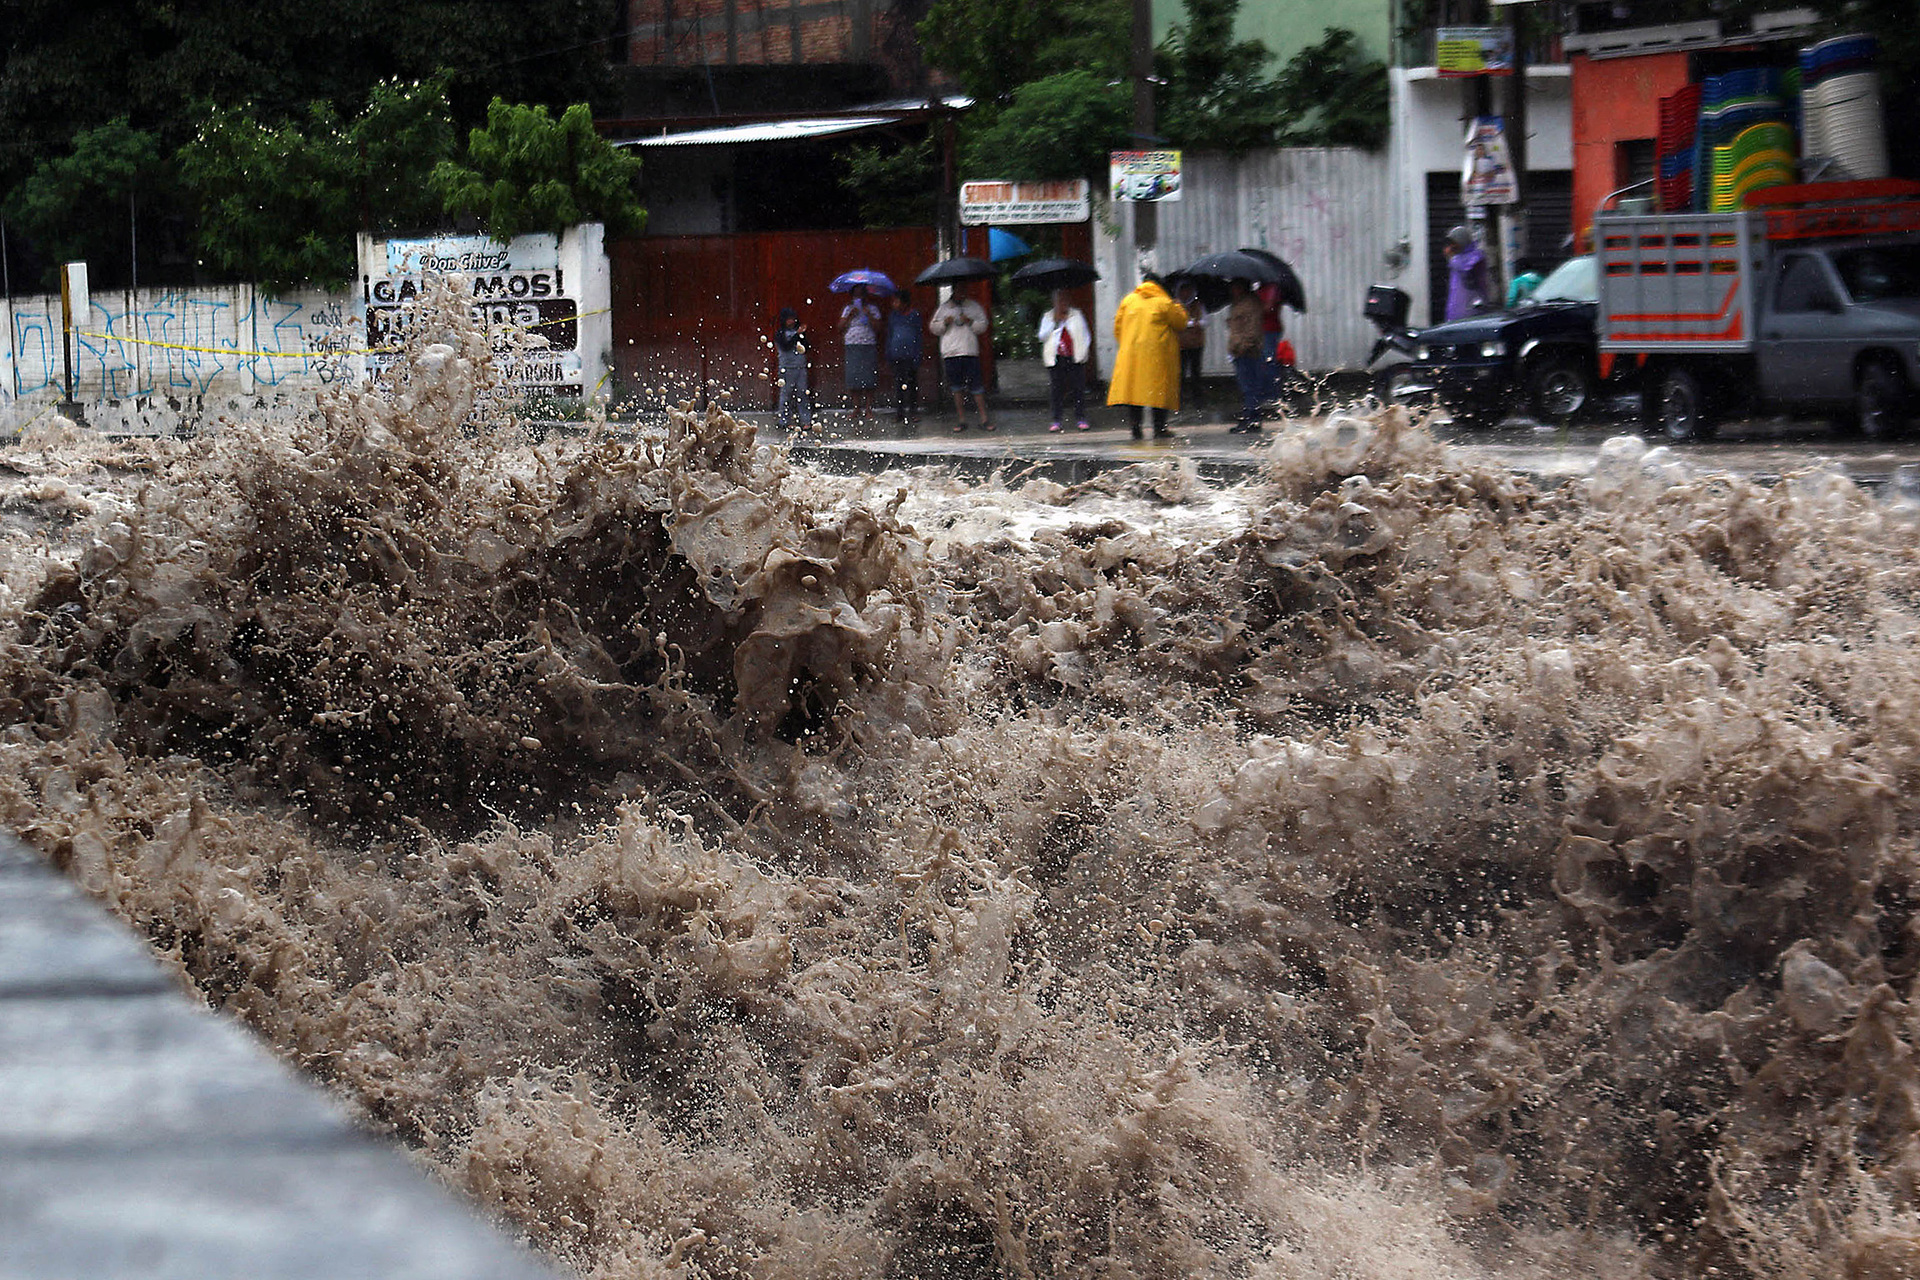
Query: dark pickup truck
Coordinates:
[1544,349]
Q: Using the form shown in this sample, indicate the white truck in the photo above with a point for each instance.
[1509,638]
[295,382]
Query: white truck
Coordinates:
[1808,301]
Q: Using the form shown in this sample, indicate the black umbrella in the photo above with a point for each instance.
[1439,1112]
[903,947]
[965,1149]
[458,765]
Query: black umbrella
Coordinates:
[1290,291]
[956,271]
[1055,273]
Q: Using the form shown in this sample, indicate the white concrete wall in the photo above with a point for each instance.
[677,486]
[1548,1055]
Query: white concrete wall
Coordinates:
[146,359]
[173,360]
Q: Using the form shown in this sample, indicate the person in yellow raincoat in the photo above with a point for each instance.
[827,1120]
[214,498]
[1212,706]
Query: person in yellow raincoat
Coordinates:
[1146,369]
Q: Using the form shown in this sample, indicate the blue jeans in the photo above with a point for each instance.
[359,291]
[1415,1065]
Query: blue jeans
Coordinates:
[794,405]
[1251,373]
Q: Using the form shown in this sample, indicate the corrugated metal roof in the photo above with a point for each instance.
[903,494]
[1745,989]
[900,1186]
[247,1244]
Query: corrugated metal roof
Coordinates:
[788,130]
[774,131]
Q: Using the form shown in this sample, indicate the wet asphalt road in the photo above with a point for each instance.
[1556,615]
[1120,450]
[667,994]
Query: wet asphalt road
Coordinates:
[1764,449]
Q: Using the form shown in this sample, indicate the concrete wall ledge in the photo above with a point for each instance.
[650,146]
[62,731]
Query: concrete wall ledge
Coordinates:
[142,1135]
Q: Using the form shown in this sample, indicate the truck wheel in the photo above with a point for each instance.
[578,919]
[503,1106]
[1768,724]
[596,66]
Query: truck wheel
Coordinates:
[1879,402]
[1680,405]
[1559,386]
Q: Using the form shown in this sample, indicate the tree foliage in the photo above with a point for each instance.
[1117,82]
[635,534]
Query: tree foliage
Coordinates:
[1059,126]
[279,202]
[1333,95]
[895,186]
[276,200]
[526,171]
[1217,94]
[995,46]
[1220,95]
[78,207]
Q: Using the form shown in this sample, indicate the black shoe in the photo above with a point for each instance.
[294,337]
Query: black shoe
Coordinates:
[1137,435]
[1162,433]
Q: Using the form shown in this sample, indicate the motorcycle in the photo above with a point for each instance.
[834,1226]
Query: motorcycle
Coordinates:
[1389,363]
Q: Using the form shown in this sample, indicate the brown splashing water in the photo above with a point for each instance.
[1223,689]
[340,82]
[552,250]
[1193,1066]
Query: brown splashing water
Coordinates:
[1382,868]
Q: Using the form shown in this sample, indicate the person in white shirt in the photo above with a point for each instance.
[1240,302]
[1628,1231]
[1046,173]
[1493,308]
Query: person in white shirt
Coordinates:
[1065,344]
[959,322]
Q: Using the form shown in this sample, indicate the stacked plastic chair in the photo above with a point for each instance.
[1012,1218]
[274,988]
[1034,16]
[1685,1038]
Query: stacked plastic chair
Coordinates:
[1841,106]
[1679,123]
[1730,105]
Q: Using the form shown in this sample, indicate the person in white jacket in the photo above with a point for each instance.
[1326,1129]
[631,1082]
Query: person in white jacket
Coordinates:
[1065,344]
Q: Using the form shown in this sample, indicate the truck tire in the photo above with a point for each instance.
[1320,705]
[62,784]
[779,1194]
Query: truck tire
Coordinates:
[1680,405]
[1879,401]
[1559,385]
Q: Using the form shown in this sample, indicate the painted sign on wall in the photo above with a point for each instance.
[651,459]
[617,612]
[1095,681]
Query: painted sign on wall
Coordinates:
[520,284]
[1006,204]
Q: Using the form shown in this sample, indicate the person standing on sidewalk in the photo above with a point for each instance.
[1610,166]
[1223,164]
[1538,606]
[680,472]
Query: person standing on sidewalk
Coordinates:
[959,322]
[1065,344]
[1193,342]
[1146,368]
[1248,353]
[859,332]
[903,357]
[790,350]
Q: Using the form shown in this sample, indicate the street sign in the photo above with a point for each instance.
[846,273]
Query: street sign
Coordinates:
[1007,204]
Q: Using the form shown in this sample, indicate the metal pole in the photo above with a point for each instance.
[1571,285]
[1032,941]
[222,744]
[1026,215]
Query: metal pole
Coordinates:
[1514,242]
[1146,219]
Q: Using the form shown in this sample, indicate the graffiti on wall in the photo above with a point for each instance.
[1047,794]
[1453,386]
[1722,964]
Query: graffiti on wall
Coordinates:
[173,342]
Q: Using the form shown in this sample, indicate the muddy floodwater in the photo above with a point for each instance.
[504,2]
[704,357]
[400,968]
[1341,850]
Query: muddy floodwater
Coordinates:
[1385,867]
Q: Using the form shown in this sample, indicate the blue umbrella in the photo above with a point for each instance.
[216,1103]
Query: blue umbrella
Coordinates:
[876,281]
[1002,245]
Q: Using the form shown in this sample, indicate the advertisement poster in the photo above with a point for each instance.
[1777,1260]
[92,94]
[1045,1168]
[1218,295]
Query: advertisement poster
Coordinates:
[1486,175]
[1007,204]
[1473,51]
[1144,175]
[519,284]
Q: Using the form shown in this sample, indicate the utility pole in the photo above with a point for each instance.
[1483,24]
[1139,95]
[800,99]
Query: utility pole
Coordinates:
[1146,214]
[1513,240]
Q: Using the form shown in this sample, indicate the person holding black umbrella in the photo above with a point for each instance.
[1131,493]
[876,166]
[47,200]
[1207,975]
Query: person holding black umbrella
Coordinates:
[1146,369]
[959,322]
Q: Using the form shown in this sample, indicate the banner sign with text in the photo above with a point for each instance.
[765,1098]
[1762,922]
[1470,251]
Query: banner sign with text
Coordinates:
[1144,175]
[1473,51]
[1486,175]
[1004,204]
[519,283]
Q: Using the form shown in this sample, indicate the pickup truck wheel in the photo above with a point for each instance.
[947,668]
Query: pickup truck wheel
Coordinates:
[1559,386]
[1680,405]
[1879,402]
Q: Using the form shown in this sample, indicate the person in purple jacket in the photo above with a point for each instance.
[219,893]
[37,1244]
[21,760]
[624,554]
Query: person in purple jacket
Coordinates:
[1468,286]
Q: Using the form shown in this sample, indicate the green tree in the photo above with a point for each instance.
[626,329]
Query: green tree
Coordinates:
[276,200]
[895,186]
[80,206]
[1333,95]
[279,202]
[994,46]
[526,171]
[71,68]
[1059,126]
[1217,94]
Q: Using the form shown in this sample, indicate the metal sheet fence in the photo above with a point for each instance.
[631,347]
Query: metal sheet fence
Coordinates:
[1323,209]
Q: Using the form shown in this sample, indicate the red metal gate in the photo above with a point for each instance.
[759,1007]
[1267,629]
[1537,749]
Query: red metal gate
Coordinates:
[697,312]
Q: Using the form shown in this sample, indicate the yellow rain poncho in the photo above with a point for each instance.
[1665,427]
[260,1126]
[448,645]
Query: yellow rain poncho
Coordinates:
[1146,370]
